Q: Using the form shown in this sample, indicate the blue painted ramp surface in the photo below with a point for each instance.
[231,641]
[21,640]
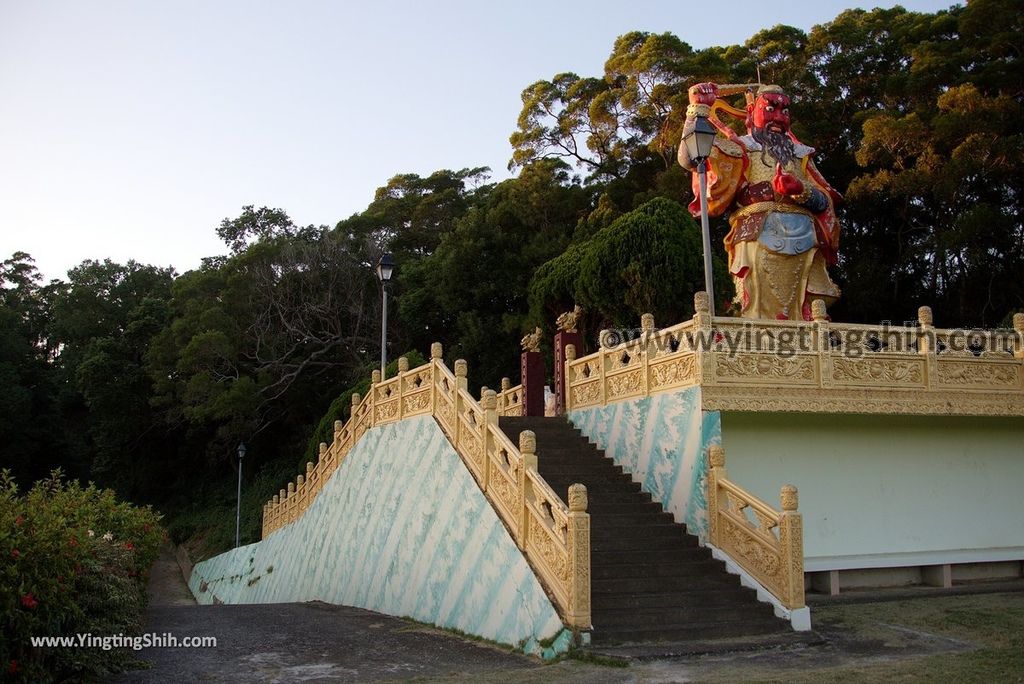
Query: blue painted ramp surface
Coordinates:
[402,528]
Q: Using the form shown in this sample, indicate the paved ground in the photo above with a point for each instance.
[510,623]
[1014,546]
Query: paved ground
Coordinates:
[297,642]
[317,642]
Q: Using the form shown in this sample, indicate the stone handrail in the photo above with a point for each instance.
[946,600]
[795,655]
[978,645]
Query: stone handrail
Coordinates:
[510,399]
[818,365]
[771,549]
[554,537]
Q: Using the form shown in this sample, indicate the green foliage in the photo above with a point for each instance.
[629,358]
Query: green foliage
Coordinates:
[255,225]
[102,321]
[553,289]
[471,293]
[204,518]
[75,561]
[649,260]
[341,409]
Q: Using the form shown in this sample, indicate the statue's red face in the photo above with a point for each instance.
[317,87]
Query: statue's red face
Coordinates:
[771,111]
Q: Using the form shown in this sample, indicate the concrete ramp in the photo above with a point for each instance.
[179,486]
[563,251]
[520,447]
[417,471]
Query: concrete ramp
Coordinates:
[400,528]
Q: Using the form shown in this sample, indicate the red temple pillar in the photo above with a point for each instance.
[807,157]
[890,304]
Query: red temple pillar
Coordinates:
[532,373]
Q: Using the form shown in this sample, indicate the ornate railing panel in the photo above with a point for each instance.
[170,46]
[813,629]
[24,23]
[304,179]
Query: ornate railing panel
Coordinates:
[554,537]
[770,546]
[510,399]
[815,366]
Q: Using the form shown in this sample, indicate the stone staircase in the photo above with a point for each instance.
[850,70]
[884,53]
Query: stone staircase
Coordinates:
[650,580]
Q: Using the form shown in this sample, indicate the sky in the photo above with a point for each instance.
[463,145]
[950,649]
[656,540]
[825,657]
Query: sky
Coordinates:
[130,129]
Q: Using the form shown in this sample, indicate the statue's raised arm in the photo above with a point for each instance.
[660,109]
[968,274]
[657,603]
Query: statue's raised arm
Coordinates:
[783,228]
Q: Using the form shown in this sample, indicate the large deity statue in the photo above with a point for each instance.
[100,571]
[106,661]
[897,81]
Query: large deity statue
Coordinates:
[782,218]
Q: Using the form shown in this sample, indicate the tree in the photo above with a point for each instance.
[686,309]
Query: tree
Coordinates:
[471,293]
[30,426]
[257,340]
[103,320]
[649,260]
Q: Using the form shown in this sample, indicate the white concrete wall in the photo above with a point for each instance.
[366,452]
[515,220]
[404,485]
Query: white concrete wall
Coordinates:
[401,528]
[886,491]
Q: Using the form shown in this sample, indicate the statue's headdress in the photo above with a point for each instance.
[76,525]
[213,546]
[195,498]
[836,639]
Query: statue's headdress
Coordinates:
[751,91]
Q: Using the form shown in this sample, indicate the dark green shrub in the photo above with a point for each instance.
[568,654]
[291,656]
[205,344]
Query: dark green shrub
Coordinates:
[75,561]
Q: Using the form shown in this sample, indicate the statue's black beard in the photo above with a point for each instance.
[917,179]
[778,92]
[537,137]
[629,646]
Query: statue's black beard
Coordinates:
[777,144]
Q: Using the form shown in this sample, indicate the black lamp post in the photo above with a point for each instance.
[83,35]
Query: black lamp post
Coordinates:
[699,141]
[385,268]
[238,505]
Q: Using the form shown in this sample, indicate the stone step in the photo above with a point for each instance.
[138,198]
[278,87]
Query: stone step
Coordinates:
[607,543]
[561,487]
[568,477]
[698,598]
[605,507]
[609,519]
[687,630]
[625,585]
[627,570]
[651,582]
[660,533]
[603,467]
[621,617]
[616,497]
[685,554]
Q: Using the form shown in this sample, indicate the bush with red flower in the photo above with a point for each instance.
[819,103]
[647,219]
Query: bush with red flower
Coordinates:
[76,561]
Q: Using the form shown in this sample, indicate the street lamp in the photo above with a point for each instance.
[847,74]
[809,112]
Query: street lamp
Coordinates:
[385,267]
[238,506]
[699,141]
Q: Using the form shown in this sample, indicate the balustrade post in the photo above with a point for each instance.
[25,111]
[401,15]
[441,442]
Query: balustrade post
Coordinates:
[403,369]
[528,449]
[291,502]
[579,558]
[300,487]
[339,426]
[703,340]
[646,341]
[1018,326]
[340,448]
[489,402]
[570,356]
[822,341]
[461,383]
[375,380]
[928,344]
[315,486]
[436,361]
[503,397]
[716,472]
[791,539]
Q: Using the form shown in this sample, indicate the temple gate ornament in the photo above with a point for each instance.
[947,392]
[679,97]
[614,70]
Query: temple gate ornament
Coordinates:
[568,321]
[783,226]
[531,342]
[567,336]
